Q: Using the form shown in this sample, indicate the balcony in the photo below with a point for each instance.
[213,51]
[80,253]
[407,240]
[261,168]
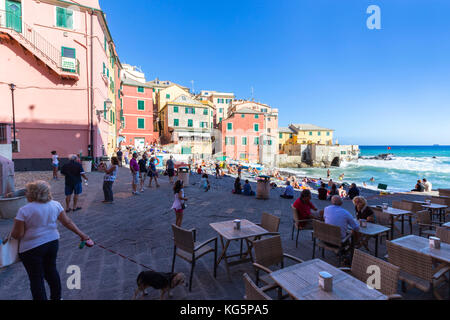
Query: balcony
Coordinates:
[13,27]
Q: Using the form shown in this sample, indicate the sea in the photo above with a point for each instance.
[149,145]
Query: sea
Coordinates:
[407,165]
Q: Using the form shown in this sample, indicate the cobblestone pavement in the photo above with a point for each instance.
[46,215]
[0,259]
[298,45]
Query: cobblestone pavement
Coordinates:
[140,227]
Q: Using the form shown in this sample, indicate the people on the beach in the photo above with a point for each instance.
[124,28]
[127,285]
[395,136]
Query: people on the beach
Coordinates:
[35,226]
[328,174]
[134,168]
[338,216]
[427,185]
[342,192]
[341,177]
[333,191]
[288,192]
[239,170]
[363,211]
[170,167]
[142,170]
[419,187]
[179,202]
[247,191]
[108,180]
[217,171]
[55,165]
[73,171]
[237,186]
[330,183]
[306,209]
[323,192]
[353,191]
[204,184]
[153,173]
[372,179]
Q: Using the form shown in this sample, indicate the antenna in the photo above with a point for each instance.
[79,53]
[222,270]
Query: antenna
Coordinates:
[253,93]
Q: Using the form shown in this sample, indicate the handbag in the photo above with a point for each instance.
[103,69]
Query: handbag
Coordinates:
[9,251]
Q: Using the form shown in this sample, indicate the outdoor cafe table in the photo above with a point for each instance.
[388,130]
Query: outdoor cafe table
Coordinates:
[228,233]
[439,208]
[373,230]
[301,282]
[422,245]
[395,214]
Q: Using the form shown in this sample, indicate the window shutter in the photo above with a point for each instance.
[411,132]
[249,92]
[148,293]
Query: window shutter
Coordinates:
[104,110]
[187,110]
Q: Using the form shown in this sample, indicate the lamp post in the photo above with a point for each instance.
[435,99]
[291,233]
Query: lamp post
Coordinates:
[12,86]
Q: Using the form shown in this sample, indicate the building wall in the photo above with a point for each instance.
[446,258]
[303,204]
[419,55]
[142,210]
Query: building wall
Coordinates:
[131,114]
[170,94]
[315,137]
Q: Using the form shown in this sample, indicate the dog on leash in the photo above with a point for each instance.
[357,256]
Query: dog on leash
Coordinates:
[159,281]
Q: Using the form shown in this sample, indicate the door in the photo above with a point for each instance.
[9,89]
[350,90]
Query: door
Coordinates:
[139,143]
[186,150]
[14,15]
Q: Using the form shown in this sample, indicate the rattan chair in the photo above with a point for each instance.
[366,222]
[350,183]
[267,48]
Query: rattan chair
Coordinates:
[426,225]
[299,225]
[410,206]
[444,202]
[416,269]
[252,292]
[188,249]
[443,234]
[388,272]
[329,238]
[383,219]
[270,223]
[268,253]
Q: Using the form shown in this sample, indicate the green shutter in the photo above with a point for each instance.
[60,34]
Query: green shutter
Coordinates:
[186,110]
[175,109]
[205,112]
[256,127]
[244,141]
[256,141]
[281,135]
[104,110]
[190,123]
[193,110]
[243,116]
[141,105]
[176,122]
[141,89]
[141,123]
[167,96]
[229,126]
[256,116]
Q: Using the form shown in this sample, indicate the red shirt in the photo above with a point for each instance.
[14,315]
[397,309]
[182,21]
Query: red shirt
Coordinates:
[304,209]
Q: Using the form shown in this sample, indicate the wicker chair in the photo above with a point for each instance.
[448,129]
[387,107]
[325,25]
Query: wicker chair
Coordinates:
[410,206]
[252,292]
[269,252]
[329,237]
[299,225]
[383,219]
[416,269]
[443,234]
[426,225]
[270,223]
[188,249]
[388,272]
[444,202]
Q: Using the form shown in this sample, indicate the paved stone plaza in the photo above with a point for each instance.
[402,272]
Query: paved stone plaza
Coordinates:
[140,227]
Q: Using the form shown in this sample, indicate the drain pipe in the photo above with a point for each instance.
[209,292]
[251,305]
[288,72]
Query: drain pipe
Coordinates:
[91,149]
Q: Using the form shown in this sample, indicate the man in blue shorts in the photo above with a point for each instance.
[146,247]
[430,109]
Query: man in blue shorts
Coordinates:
[73,171]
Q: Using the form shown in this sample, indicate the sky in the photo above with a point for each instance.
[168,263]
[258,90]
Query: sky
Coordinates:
[314,60]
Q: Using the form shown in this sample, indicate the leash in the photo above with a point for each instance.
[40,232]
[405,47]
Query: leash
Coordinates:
[122,256]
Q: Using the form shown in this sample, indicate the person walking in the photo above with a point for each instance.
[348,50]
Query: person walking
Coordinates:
[143,170]
[119,157]
[152,173]
[36,227]
[73,171]
[108,180]
[134,168]
[170,167]
[179,202]
[55,165]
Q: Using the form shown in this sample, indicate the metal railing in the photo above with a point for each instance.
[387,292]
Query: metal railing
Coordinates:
[16,24]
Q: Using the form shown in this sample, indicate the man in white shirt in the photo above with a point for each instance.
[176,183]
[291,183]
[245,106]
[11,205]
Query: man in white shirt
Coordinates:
[427,184]
[338,216]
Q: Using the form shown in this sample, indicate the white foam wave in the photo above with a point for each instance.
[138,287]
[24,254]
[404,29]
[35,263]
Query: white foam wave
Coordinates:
[426,164]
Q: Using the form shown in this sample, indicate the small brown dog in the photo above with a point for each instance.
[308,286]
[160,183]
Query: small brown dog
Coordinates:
[158,280]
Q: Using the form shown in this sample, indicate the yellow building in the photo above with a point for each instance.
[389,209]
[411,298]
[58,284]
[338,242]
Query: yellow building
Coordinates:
[305,134]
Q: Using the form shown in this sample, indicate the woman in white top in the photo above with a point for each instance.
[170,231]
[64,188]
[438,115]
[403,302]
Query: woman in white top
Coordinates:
[108,180]
[178,203]
[55,165]
[36,228]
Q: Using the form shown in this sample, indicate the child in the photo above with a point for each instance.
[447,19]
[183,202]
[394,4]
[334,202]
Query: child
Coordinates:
[205,183]
[55,165]
[178,204]
[248,189]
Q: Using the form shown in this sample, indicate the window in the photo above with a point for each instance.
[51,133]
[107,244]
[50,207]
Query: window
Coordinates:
[256,127]
[104,110]
[281,135]
[167,96]
[244,141]
[104,68]
[212,113]
[205,112]
[268,130]
[269,142]
[220,119]
[141,105]
[176,122]
[230,141]
[106,42]
[243,156]
[256,116]
[328,134]
[229,126]
[243,116]
[220,110]
[175,109]
[190,123]
[256,141]
[310,133]
[290,136]
[203,124]
[69,56]
[190,110]
[141,123]
[319,133]
[64,18]
[141,89]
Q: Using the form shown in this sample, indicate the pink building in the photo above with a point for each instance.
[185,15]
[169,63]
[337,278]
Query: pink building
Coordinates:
[61,59]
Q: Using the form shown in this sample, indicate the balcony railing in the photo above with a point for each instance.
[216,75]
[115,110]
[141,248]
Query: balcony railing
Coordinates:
[16,24]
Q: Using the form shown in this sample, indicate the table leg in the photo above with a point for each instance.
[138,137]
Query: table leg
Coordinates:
[392,227]
[376,246]
[224,255]
[403,224]
[249,251]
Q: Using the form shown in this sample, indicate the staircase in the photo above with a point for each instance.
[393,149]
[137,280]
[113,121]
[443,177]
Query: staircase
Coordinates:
[32,41]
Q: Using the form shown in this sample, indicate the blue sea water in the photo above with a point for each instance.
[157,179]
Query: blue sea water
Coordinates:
[409,164]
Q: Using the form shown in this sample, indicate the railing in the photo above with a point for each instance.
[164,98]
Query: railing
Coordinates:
[15,23]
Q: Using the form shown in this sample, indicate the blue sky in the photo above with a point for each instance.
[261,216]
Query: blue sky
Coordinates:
[314,60]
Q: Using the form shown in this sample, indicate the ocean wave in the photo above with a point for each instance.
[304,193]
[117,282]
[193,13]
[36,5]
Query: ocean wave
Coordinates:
[425,164]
